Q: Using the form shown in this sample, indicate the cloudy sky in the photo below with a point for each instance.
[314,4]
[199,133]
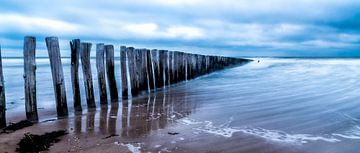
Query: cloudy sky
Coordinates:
[223,27]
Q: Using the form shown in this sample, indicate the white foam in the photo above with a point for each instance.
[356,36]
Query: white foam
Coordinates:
[281,136]
[131,147]
[227,131]
[353,133]
[188,121]
[221,130]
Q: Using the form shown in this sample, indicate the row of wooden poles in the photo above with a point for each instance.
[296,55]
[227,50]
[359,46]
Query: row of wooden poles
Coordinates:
[147,69]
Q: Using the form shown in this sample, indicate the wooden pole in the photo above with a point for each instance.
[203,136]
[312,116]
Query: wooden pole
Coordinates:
[110,71]
[150,70]
[100,50]
[2,96]
[85,49]
[124,81]
[30,78]
[156,68]
[75,51]
[138,71]
[171,67]
[132,70]
[144,72]
[52,44]
[162,63]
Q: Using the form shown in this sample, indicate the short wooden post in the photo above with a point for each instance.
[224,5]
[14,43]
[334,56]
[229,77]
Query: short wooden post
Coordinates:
[124,81]
[30,78]
[110,71]
[75,51]
[85,49]
[2,96]
[52,44]
[100,50]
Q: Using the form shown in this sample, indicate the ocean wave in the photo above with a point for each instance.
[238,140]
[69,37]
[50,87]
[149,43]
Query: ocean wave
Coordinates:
[227,131]
[353,133]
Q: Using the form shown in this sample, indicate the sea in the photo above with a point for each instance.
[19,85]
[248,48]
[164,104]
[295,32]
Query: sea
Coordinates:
[267,105]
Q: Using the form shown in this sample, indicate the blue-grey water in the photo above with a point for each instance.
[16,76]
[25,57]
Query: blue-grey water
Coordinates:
[275,105]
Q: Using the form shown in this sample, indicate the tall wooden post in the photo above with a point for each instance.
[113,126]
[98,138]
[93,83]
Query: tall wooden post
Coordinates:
[85,49]
[124,81]
[100,50]
[110,71]
[30,78]
[52,44]
[2,96]
[75,51]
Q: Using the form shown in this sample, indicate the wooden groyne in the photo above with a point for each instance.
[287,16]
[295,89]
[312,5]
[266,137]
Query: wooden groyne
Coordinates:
[142,71]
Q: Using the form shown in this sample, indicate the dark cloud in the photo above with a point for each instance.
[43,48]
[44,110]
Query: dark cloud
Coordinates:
[227,27]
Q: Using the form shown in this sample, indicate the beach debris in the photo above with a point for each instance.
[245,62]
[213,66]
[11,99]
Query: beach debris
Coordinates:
[16,126]
[173,133]
[112,135]
[37,143]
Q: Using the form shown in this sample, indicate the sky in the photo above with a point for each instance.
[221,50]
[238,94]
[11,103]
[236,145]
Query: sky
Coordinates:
[286,28]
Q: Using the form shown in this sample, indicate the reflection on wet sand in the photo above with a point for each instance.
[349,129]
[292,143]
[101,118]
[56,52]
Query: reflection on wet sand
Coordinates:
[138,116]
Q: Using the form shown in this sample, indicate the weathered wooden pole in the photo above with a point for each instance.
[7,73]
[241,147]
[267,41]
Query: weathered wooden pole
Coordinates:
[124,81]
[156,68]
[100,50]
[144,72]
[162,63]
[150,70]
[52,44]
[171,67]
[176,66]
[85,49]
[30,78]
[2,96]
[75,51]
[110,71]
[132,70]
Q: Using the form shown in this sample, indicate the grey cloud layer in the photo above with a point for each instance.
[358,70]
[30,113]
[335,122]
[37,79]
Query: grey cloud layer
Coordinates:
[229,27]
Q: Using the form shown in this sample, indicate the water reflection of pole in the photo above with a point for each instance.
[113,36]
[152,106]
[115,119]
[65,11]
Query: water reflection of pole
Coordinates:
[78,122]
[90,123]
[124,119]
[163,117]
[103,118]
[113,117]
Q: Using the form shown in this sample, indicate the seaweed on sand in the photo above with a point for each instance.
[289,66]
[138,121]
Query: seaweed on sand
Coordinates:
[16,126]
[37,143]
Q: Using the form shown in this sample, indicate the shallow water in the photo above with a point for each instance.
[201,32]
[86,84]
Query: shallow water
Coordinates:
[277,105]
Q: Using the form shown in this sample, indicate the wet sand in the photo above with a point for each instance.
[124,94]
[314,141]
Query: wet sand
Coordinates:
[154,123]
